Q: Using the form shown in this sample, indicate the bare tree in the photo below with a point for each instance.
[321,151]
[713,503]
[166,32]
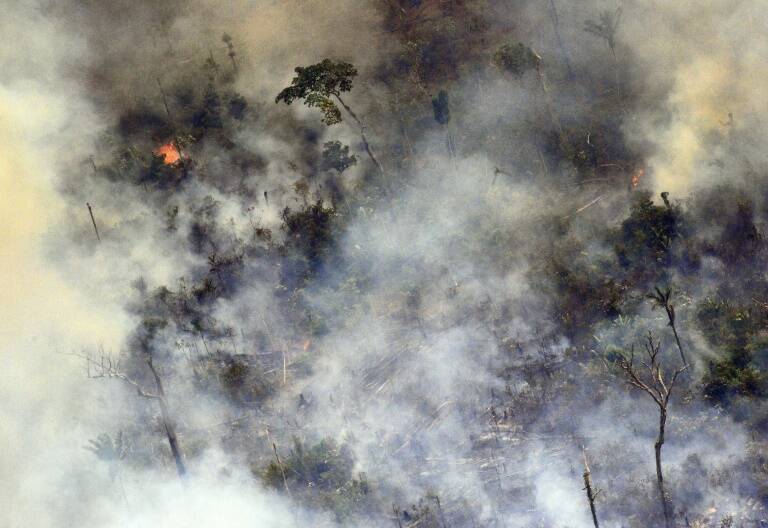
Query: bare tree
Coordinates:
[106,367]
[652,380]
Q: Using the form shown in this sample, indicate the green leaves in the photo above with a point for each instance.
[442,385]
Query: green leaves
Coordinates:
[336,156]
[316,84]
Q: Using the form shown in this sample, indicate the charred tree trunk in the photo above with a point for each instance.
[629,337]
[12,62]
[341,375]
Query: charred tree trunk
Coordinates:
[549,102]
[558,37]
[282,470]
[441,516]
[366,145]
[679,346]
[396,512]
[93,220]
[176,141]
[591,494]
[660,390]
[659,472]
[170,429]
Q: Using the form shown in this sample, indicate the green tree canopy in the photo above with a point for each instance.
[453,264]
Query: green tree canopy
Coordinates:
[316,84]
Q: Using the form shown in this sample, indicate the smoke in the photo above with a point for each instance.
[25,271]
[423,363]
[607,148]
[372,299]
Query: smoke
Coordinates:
[419,331]
[45,408]
[707,59]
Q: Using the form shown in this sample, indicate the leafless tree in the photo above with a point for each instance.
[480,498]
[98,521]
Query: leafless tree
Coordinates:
[652,380]
[106,367]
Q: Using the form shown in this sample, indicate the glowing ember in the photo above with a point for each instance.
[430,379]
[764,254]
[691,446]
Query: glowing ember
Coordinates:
[169,152]
[636,176]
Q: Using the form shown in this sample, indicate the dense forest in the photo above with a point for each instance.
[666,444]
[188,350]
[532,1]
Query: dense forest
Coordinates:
[419,263]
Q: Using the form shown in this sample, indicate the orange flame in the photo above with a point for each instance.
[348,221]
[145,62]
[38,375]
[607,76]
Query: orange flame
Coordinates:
[636,177]
[306,345]
[169,152]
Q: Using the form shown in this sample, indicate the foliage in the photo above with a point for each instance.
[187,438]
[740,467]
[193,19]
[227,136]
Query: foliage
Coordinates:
[644,242]
[605,28]
[732,330]
[440,108]
[233,377]
[336,156]
[107,449]
[321,474]
[316,84]
[516,59]
[309,242]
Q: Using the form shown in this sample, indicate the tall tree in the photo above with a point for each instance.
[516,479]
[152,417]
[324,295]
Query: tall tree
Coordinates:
[517,59]
[106,367]
[606,28]
[442,112]
[652,380]
[318,86]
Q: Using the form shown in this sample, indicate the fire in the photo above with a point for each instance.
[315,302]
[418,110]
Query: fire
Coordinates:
[169,152]
[636,176]
[306,345]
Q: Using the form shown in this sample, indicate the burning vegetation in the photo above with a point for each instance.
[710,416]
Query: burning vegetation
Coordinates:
[169,152]
[409,285]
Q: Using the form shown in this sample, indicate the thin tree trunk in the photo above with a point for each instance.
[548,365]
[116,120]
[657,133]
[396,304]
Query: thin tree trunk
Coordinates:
[659,473]
[366,145]
[282,470]
[170,430]
[176,142]
[679,346]
[616,73]
[590,492]
[397,516]
[558,37]
[550,105]
[93,220]
[440,512]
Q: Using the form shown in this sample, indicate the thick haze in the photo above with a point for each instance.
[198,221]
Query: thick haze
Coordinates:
[406,383]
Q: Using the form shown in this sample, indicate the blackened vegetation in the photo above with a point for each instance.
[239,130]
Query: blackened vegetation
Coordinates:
[310,243]
[241,326]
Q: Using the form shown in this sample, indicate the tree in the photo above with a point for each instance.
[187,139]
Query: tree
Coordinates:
[226,39]
[591,492]
[606,29]
[336,156]
[556,27]
[442,112]
[653,383]
[661,299]
[441,108]
[518,59]
[318,85]
[106,367]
